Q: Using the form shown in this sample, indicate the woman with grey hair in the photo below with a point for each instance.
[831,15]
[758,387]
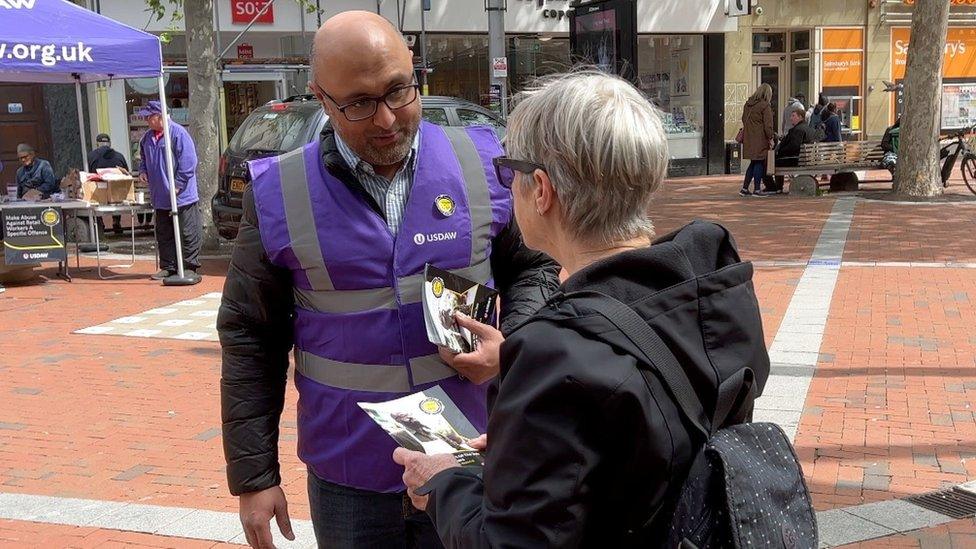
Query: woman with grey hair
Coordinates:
[582,450]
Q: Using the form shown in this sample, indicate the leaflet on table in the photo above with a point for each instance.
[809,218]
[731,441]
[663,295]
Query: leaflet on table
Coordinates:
[429,422]
[446,293]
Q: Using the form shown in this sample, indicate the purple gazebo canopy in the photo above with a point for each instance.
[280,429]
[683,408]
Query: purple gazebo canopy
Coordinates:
[55,41]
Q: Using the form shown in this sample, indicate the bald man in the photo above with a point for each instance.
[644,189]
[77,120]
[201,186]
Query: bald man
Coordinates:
[330,260]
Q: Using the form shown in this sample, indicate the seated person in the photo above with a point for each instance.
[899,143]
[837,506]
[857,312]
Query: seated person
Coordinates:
[34,173]
[889,144]
[580,448]
[788,152]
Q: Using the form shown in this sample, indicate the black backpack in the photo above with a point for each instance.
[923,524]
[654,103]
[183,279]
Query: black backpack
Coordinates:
[745,488]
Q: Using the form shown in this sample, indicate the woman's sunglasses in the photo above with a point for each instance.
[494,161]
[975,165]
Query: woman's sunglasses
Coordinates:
[506,167]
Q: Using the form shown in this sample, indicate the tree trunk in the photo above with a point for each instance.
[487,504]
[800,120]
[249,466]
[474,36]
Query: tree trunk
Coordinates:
[919,170]
[201,56]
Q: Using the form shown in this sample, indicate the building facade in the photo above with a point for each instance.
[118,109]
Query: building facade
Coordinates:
[846,50]
[681,58]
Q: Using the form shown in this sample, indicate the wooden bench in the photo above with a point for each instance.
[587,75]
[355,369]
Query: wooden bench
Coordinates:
[838,160]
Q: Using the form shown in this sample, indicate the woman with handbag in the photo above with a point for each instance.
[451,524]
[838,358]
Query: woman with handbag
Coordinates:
[757,137]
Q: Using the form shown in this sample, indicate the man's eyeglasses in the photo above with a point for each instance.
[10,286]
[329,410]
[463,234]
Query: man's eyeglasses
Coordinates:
[24,158]
[506,167]
[365,107]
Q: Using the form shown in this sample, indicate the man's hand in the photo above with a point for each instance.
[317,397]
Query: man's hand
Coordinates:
[418,468]
[143,178]
[257,508]
[482,364]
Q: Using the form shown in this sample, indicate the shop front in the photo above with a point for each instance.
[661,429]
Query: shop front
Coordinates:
[805,62]
[958,75]
[680,49]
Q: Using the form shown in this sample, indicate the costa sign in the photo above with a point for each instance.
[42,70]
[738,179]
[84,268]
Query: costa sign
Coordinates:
[243,11]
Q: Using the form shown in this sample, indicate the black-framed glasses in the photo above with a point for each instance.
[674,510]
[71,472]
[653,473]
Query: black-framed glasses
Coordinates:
[506,167]
[24,157]
[365,107]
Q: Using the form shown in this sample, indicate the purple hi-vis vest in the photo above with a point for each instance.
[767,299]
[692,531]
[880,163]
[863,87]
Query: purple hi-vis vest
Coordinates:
[359,323]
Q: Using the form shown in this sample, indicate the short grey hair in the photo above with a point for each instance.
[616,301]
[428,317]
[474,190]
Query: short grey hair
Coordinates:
[603,146]
[24,148]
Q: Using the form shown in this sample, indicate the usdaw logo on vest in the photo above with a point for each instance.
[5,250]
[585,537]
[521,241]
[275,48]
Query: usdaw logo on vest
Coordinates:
[420,238]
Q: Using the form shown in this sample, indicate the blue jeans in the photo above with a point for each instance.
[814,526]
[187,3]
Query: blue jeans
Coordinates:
[755,173]
[348,518]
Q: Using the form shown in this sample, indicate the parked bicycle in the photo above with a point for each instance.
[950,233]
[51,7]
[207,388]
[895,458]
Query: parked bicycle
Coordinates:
[959,145]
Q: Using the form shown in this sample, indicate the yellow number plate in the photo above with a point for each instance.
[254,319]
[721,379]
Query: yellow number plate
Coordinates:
[237,185]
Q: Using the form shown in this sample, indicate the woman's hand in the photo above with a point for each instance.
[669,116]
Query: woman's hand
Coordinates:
[480,443]
[418,468]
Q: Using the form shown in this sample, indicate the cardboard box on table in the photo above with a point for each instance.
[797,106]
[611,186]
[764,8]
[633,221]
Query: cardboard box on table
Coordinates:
[116,191]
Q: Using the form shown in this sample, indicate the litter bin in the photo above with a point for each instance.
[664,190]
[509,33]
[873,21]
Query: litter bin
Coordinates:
[733,157]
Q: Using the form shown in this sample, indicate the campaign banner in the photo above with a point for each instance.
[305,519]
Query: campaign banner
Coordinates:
[33,235]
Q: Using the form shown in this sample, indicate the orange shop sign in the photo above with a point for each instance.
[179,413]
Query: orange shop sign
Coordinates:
[842,70]
[843,39]
[951,2]
[960,52]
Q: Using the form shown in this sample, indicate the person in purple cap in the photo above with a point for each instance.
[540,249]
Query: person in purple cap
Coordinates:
[152,171]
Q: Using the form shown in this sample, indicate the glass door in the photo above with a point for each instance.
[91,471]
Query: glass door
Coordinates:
[771,73]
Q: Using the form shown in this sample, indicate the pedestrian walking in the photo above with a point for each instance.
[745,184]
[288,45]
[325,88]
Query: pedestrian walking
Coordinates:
[330,259]
[582,450]
[104,156]
[757,137]
[152,171]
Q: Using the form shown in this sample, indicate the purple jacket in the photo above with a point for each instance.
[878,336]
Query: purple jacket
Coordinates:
[153,164]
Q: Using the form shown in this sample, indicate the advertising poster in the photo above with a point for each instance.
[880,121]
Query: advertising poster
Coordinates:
[33,235]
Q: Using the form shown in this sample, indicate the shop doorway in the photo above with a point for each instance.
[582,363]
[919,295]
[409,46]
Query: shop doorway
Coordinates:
[772,71]
[23,119]
[244,97]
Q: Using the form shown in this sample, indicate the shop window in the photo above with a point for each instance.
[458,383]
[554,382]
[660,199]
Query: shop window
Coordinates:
[459,63]
[139,91]
[436,116]
[769,42]
[800,41]
[672,76]
[801,80]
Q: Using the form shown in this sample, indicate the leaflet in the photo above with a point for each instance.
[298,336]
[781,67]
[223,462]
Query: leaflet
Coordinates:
[429,422]
[446,293]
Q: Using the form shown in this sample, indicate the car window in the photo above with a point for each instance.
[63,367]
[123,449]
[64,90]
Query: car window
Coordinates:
[474,118]
[273,131]
[437,116]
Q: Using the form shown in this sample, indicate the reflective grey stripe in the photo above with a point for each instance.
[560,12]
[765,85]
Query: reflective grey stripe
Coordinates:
[430,368]
[301,222]
[346,301]
[371,377]
[355,301]
[355,377]
[476,184]
[412,287]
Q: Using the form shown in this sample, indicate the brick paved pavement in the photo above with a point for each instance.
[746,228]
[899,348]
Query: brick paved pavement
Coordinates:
[887,414]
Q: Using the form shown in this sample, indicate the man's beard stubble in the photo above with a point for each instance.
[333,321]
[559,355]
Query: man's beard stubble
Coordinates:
[390,155]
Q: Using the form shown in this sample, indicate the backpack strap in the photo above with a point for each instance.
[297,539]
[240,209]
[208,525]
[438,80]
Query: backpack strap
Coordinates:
[731,392]
[653,350]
